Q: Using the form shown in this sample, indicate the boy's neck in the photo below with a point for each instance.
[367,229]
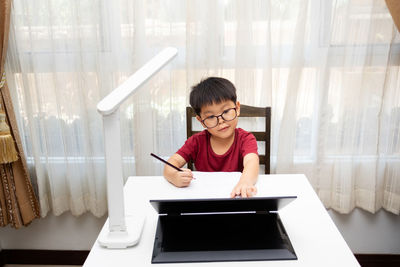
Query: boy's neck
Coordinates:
[221,145]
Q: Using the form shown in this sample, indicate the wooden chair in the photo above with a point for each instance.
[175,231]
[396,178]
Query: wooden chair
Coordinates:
[245,111]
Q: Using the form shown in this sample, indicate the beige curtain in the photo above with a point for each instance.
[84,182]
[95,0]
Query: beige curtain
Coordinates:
[18,203]
[309,60]
[394,9]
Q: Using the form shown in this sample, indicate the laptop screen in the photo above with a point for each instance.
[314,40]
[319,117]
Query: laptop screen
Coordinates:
[209,230]
[206,205]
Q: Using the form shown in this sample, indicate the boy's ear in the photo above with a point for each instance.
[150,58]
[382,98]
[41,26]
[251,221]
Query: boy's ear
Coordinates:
[238,108]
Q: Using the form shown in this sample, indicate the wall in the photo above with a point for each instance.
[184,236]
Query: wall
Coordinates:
[367,233]
[65,232]
[364,232]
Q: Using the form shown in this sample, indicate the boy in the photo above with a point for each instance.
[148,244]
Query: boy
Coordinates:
[222,146]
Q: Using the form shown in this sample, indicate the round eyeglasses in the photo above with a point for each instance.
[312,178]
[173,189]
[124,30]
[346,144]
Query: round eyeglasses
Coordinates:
[212,121]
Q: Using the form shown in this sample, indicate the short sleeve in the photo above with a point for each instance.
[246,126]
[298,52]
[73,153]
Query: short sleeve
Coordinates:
[248,144]
[187,151]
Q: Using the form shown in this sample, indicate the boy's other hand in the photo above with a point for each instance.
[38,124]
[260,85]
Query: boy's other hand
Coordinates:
[182,179]
[244,190]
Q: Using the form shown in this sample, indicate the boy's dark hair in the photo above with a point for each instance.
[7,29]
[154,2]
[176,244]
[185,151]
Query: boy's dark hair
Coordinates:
[212,90]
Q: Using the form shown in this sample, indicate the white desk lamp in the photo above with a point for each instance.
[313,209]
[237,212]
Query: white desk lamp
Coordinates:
[123,231]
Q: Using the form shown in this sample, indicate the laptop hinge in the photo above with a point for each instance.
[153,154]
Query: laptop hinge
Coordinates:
[208,213]
[174,214]
[263,212]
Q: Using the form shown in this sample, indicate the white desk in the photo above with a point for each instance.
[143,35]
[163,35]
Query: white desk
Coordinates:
[314,237]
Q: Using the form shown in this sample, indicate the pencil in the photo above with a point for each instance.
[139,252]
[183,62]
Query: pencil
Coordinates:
[166,162]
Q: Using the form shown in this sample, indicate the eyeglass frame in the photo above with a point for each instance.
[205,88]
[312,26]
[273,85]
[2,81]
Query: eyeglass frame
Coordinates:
[222,117]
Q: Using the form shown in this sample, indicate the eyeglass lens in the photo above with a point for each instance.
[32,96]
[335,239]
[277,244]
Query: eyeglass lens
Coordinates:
[227,115]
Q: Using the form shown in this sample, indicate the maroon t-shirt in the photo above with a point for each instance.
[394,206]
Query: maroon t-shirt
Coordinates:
[198,148]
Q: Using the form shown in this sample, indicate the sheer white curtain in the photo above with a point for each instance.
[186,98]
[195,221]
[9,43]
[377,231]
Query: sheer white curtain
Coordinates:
[328,69]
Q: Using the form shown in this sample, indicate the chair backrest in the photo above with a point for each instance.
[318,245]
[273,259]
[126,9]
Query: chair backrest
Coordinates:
[245,111]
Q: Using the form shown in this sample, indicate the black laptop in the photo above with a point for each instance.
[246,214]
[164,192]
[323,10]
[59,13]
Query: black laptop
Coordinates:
[221,229]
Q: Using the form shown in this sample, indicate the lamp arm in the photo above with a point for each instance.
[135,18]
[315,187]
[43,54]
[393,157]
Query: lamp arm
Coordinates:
[119,233]
[113,100]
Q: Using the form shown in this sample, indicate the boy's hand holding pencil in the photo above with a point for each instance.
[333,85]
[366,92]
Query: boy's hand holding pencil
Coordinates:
[181,177]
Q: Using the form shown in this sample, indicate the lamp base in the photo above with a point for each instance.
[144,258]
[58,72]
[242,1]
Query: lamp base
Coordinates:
[122,239]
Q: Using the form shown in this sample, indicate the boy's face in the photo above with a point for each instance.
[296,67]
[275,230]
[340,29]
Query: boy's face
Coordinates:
[223,129]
